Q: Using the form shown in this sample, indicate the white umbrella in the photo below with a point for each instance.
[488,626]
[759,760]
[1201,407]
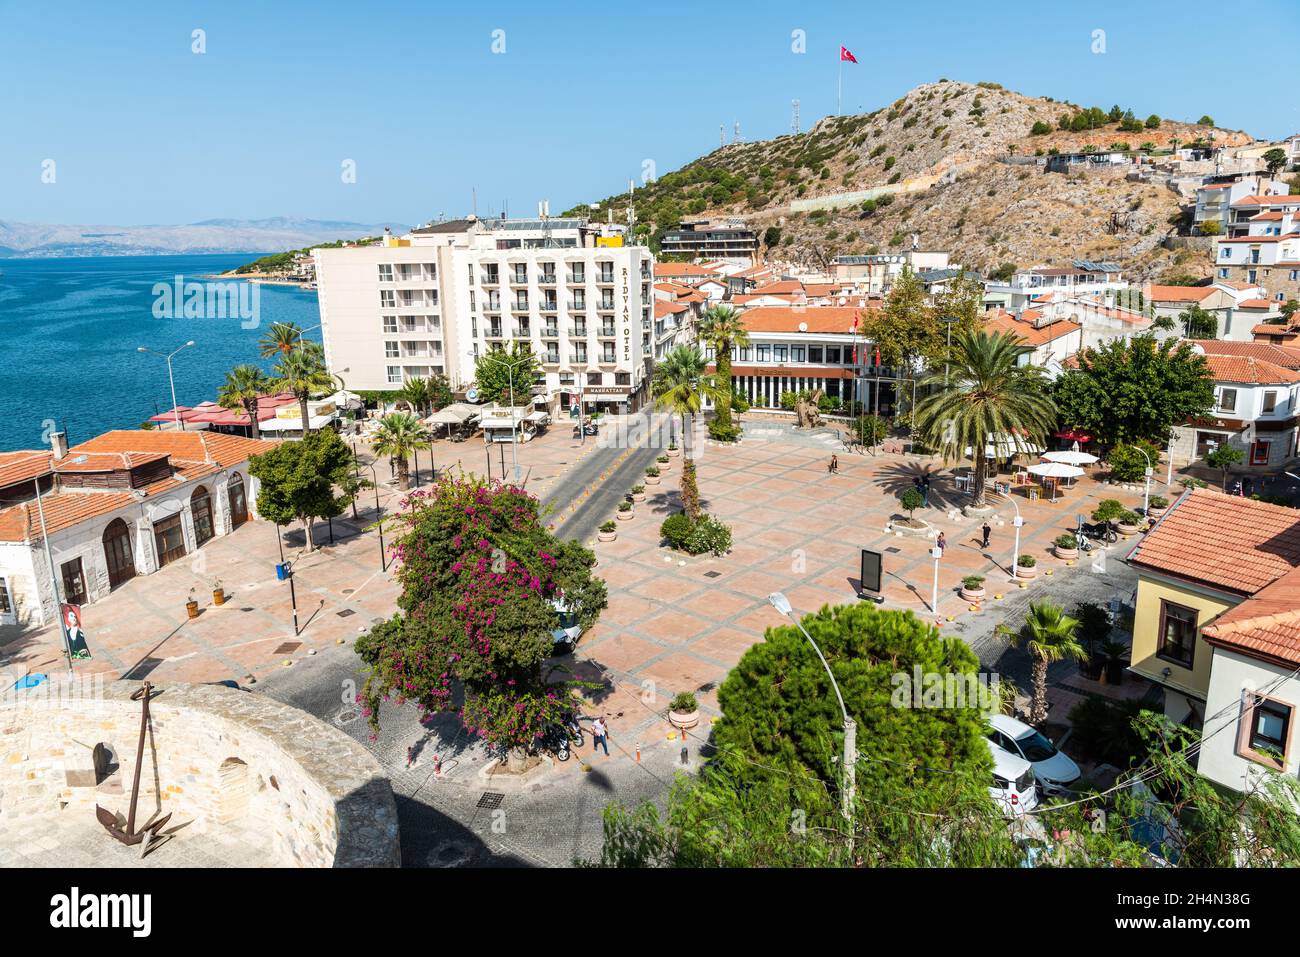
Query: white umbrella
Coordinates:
[1054,470]
[1074,457]
[1003,445]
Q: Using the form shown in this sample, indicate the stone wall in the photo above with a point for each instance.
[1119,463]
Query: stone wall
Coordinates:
[230,764]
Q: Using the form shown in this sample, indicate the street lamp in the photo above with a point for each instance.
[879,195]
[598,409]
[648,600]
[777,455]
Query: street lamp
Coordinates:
[1017,522]
[514,421]
[1147,473]
[947,355]
[782,604]
[936,553]
[176,412]
[379,521]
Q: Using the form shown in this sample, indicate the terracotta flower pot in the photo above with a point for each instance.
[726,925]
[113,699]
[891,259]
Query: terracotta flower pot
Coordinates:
[972,594]
[607,536]
[673,452]
[638,496]
[1128,529]
[1156,512]
[1026,573]
[218,596]
[684,720]
[192,608]
[652,480]
[1065,553]
[624,516]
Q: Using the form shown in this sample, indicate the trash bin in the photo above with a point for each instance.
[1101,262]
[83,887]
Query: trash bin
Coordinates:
[282,571]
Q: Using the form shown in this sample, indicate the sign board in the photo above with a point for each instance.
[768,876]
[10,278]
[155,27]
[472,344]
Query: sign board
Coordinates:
[870,571]
[73,635]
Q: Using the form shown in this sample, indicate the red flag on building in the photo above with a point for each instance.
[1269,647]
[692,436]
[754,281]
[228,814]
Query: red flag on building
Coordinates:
[877,355]
[846,55]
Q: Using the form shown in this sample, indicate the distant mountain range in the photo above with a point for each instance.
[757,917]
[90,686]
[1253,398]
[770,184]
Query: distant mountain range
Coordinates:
[39,241]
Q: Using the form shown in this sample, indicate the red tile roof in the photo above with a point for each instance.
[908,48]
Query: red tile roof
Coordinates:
[1249,371]
[1025,329]
[1265,626]
[788,319]
[1180,293]
[1226,541]
[1285,356]
[22,466]
[673,270]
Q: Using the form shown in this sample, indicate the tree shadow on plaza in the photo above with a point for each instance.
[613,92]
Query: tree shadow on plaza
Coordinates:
[895,479]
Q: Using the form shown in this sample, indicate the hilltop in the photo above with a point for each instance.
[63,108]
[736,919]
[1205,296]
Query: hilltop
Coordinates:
[944,163]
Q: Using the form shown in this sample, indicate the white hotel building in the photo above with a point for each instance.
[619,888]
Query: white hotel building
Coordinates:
[432,301]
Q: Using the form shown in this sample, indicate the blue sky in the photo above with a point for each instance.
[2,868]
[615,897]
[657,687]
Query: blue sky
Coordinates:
[145,131]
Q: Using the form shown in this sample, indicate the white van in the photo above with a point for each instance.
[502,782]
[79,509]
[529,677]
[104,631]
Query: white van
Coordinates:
[1013,788]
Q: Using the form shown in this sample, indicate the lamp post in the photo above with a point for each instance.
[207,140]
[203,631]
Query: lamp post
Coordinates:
[54,579]
[1149,471]
[176,412]
[936,553]
[379,521]
[514,421]
[850,759]
[947,354]
[1017,522]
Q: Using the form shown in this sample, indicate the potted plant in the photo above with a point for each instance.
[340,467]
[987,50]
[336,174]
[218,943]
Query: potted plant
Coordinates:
[1025,566]
[1129,522]
[1114,652]
[218,593]
[663,462]
[684,711]
[638,493]
[624,511]
[1157,506]
[1108,510]
[192,605]
[608,531]
[652,475]
[972,587]
[672,448]
[1094,629]
[1066,546]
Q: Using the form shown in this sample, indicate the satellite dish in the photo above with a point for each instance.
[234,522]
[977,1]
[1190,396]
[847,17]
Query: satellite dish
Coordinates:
[803,327]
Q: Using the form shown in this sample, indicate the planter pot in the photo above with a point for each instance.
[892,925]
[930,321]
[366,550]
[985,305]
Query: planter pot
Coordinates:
[663,466]
[192,609]
[1156,512]
[1026,573]
[688,720]
[1114,672]
[624,516]
[1127,529]
[1067,553]
[607,536]
[218,596]
[1091,667]
[972,594]
[652,480]
[673,452]
[638,496]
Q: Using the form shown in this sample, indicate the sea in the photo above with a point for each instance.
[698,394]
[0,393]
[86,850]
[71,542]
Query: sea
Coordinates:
[70,331]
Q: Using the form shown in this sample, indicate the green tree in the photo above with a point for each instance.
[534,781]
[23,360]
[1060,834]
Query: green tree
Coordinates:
[1049,635]
[984,391]
[911,500]
[1205,121]
[1040,128]
[302,371]
[243,386]
[497,369]
[281,339]
[399,435]
[1135,390]
[1211,227]
[1153,122]
[680,385]
[1224,457]
[722,328]
[1198,323]
[1288,310]
[1274,159]
[300,481]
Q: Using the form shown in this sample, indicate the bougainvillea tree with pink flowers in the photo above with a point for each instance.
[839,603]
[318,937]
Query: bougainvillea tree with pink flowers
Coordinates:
[481,577]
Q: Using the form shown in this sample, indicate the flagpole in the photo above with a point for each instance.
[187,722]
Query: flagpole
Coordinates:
[839,89]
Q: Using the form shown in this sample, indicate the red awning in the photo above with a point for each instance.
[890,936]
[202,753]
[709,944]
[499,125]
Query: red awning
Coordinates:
[1073,436]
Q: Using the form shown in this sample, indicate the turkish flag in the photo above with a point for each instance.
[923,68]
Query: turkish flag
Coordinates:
[846,55]
[877,355]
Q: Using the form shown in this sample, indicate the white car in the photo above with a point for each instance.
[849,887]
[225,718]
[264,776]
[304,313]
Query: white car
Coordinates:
[1055,772]
[567,631]
[1013,788]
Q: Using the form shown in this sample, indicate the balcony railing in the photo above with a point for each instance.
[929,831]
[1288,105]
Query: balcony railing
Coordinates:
[578,330]
[546,279]
[608,332]
[576,278]
[519,279]
[550,332]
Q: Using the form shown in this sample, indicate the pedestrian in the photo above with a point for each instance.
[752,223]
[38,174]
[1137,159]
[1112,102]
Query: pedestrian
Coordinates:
[925,488]
[941,543]
[835,465]
[598,736]
[987,530]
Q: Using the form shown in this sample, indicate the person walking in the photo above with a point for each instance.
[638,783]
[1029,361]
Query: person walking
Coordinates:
[599,733]
[941,543]
[834,468]
[987,530]
[925,488]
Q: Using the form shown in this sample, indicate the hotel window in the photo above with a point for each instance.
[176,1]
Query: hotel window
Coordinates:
[388,298]
[1227,400]
[764,353]
[1270,401]
[746,353]
[432,269]
[390,349]
[390,323]
[622,378]
[1176,641]
[74,583]
[833,355]
[6,606]
[394,374]
[1225,253]
[796,353]
[814,353]
[1259,453]
[780,353]
[385,272]
[595,378]
[1265,730]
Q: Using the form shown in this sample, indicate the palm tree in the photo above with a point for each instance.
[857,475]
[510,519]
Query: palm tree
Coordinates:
[722,328]
[302,371]
[987,393]
[281,339]
[680,385]
[243,385]
[416,393]
[1049,635]
[398,436]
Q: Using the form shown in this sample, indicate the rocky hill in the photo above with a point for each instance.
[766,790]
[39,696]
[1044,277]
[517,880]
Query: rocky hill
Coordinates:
[948,164]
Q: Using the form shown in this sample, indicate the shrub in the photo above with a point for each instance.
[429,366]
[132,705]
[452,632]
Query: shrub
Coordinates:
[1026,561]
[1065,541]
[683,703]
[638,489]
[1158,501]
[676,529]
[1108,510]
[608,526]
[709,535]
[720,431]
[911,500]
[1040,128]
[625,506]
[972,582]
[662,459]
[1128,463]
[652,471]
[1190,483]
[1128,517]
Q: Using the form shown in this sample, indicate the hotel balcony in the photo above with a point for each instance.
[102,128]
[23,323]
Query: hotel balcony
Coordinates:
[608,332]
[546,279]
[576,279]
[519,279]
[550,332]
[579,329]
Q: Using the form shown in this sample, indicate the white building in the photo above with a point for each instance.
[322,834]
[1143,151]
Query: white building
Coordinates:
[432,301]
[123,504]
[1081,278]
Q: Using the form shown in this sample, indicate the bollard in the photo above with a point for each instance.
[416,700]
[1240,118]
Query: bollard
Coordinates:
[638,754]
[684,754]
